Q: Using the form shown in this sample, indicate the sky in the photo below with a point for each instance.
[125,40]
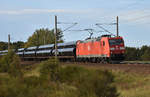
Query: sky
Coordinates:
[20,18]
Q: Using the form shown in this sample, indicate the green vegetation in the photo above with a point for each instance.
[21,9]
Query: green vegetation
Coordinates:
[49,79]
[53,80]
[132,84]
[40,37]
[14,45]
[10,63]
[17,45]
[3,45]
[43,36]
[137,54]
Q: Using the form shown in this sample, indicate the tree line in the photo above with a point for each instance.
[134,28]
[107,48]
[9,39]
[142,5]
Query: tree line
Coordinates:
[39,37]
[135,54]
[47,36]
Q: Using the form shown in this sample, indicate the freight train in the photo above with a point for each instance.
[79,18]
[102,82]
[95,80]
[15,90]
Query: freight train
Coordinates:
[102,49]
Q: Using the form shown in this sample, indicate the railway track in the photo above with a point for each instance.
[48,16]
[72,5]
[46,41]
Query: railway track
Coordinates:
[135,62]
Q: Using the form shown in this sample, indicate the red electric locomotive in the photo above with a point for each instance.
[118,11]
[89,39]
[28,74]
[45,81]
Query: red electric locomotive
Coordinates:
[102,49]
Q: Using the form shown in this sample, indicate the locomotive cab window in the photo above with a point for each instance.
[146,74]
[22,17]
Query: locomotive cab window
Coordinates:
[115,41]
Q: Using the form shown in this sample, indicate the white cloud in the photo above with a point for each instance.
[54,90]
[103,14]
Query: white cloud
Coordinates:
[136,16]
[39,11]
[30,11]
[131,16]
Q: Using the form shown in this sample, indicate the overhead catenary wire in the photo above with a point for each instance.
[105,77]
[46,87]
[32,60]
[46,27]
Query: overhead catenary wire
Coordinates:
[65,23]
[73,24]
[104,29]
[91,31]
[106,23]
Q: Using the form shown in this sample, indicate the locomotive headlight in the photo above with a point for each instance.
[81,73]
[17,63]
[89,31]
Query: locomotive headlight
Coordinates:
[122,48]
[112,48]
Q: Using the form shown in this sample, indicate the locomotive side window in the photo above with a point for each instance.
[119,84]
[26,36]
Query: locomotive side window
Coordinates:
[115,41]
[103,43]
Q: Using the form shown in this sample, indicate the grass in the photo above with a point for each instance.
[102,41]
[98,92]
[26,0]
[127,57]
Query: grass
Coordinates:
[132,85]
[48,79]
[32,70]
[129,84]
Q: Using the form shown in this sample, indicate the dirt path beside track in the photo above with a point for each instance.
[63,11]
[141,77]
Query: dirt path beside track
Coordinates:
[133,68]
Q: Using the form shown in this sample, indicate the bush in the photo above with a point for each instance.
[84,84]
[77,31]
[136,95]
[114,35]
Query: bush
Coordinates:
[64,90]
[49,69]
[71,74]
[89,83]
[5,61]
[58,81]
[146,55]
[15,67]
[11,63]
[28,87]
[84,82]
[97,84]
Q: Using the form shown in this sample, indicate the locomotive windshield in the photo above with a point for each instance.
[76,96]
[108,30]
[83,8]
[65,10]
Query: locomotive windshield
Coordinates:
[115,41]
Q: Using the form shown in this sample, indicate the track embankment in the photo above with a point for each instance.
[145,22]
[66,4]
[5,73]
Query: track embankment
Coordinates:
[126,67]
[133,68]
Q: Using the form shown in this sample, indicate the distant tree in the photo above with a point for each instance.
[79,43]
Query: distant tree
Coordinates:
[43,36]
[146,55]
[17,45]
[131,54]
[59,35]
[138,53]
[3,45]
[142,51]
[14,45]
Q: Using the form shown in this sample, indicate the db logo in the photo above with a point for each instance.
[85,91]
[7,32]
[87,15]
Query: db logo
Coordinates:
[117,48]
